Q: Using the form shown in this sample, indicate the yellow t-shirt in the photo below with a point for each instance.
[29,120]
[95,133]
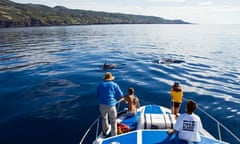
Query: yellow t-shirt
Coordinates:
[176,95]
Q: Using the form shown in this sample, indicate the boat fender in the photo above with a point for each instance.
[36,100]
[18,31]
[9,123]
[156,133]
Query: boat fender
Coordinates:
[122,128]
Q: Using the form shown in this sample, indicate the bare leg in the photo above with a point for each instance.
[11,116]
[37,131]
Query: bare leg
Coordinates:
[172,107]
[176,110]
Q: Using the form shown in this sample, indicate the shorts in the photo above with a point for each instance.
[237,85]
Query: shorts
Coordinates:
[130,114]
[175,104]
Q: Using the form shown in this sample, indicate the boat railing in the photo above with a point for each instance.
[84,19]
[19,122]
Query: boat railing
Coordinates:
[95,123]
[219,125]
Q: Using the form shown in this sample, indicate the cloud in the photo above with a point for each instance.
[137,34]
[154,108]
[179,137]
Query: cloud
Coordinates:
[206,3]
[195,14]
[210,14]
[166,0]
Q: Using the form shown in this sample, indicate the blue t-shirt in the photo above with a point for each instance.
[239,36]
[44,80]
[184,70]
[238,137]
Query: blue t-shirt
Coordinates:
[108,92]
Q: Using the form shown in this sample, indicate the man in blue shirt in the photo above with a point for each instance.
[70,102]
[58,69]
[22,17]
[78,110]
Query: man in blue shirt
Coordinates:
[108,92]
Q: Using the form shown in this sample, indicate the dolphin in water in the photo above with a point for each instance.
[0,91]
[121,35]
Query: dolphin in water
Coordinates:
[170,61]
[108,66]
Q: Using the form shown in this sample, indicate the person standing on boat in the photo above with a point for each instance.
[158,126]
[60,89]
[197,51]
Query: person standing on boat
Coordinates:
[132,101]
[108,92]
[188,125]
[176,94]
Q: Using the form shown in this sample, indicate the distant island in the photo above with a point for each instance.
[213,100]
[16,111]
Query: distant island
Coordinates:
[27,15]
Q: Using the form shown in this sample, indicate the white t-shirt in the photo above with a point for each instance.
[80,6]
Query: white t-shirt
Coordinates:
[188,127]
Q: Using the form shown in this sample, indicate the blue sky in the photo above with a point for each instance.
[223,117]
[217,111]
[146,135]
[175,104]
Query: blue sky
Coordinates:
[196,11]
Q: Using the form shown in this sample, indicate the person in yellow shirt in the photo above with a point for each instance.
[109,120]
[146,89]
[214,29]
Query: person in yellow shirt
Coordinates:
[176,94]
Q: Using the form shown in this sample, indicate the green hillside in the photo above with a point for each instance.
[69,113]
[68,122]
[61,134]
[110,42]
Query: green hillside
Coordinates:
[23,15]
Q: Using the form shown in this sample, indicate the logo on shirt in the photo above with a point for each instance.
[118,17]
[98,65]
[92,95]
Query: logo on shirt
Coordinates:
[188,125]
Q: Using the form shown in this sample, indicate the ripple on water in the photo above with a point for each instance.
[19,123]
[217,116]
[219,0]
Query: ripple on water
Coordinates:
[52,72]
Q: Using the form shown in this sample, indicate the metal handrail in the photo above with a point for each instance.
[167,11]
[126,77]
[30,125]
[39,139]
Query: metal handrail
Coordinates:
[220,124]
[88,130]
[211,117]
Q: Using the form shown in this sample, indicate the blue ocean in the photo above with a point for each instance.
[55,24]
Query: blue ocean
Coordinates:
[49,75]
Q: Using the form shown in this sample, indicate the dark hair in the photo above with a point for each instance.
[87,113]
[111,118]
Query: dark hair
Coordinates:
[131,90]
[176,86]
[191,106]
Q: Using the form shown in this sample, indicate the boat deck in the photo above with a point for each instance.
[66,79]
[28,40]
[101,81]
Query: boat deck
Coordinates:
[151,137]
[150,126]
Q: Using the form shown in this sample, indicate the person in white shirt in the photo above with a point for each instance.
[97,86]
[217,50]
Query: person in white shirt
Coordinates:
[188,125]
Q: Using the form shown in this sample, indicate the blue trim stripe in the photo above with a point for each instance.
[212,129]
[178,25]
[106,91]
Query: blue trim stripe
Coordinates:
[153,109]
[157,137]
[130,138]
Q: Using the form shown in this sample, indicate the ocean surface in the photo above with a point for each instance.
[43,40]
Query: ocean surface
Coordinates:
[48,75]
